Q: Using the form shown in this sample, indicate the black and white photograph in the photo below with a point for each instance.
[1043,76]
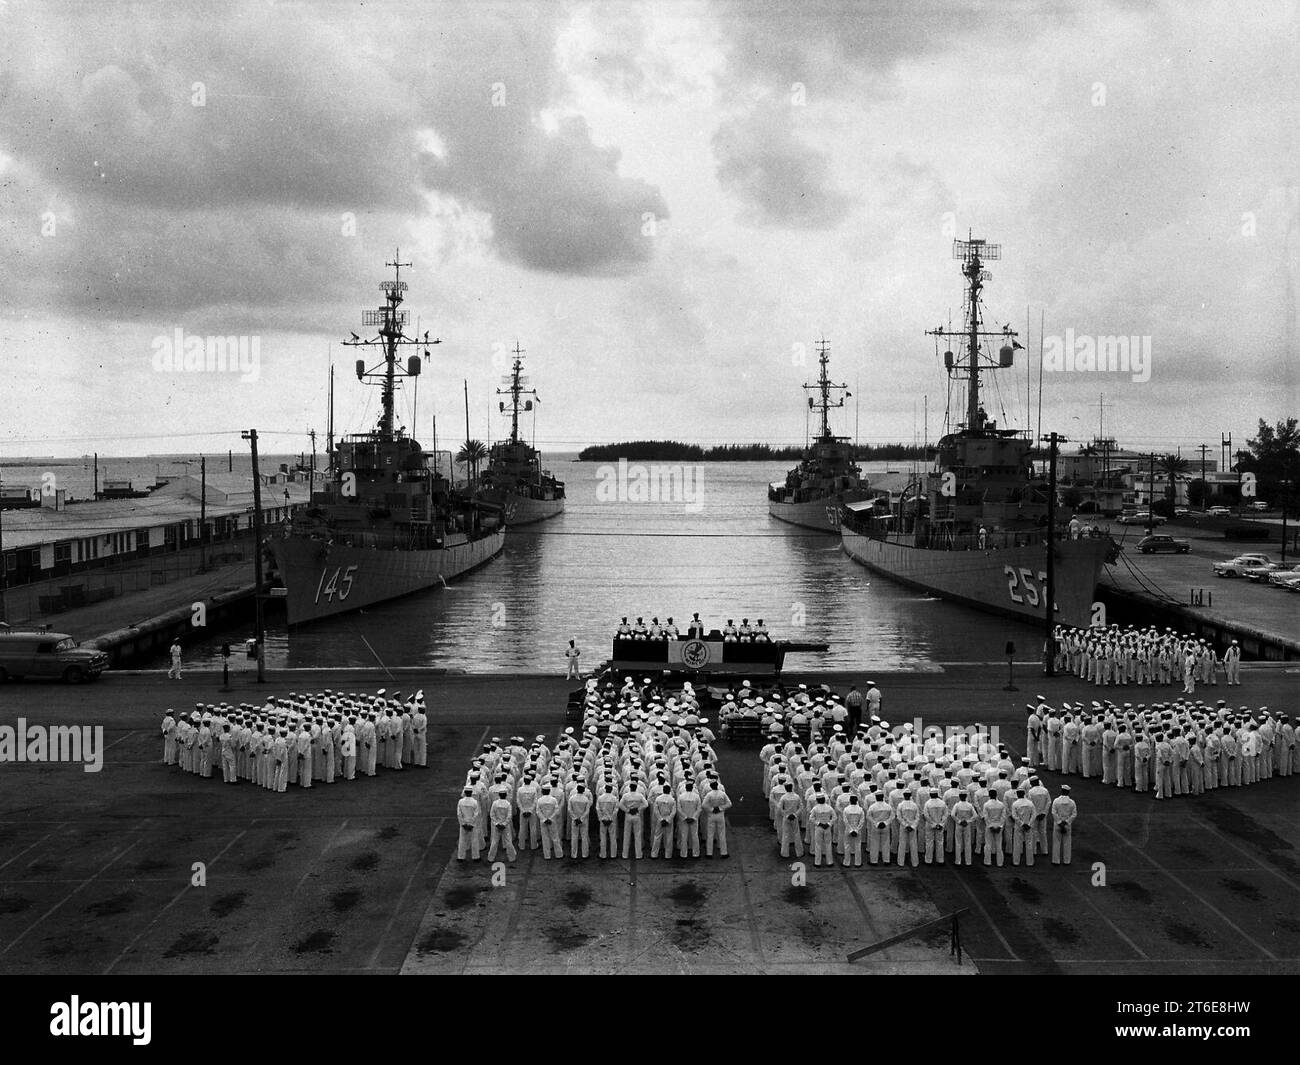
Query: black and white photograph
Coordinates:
[547,488]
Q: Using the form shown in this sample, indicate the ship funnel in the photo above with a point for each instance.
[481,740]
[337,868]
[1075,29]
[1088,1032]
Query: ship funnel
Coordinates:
[413,366]
[361,369]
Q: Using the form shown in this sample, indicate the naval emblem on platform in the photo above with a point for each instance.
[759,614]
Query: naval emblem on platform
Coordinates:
[695,653]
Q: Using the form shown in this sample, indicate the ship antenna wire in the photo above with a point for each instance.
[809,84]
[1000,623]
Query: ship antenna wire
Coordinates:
[377,658]
[1042,321]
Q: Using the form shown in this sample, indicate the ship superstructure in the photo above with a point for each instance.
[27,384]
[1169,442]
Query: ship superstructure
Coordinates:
[514,479]
[827,476]
[386,523]
[975,528]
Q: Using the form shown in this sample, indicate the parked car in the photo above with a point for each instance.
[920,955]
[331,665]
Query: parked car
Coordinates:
[1243,565]
[1219,512]
[1283,577]
[1161,542]
[48,654]
[1259,504]
[1141,517]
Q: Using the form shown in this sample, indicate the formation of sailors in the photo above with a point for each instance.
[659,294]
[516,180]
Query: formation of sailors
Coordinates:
[1127,655]
[300,739]
[813,711]
[934,796]
[644,769]
[1178,748]
[731,632]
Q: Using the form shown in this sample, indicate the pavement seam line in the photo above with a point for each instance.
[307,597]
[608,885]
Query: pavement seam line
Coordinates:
[175,899]
[1204,902]
[31,845]
[1289,883]
[117,855]
[1114,927]
[424,854]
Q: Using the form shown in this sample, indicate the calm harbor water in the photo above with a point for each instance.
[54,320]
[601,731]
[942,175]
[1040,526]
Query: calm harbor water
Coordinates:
[714,550]
[717,552]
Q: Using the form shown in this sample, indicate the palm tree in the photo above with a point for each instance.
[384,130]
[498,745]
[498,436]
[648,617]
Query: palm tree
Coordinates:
[471,453]
[1171,466]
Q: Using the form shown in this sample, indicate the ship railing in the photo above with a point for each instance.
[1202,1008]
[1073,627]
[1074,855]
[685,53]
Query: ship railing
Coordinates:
[992,540]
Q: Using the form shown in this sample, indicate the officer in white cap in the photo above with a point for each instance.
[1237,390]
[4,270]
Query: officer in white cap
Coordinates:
[716,805]
[467,812]
[1064,811]
[579,810]
[1232,663]
[633,803]
[607,821]
[501,815]
[852,820]
[880,814]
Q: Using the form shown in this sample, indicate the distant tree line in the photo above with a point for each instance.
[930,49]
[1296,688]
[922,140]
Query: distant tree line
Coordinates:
[672,450]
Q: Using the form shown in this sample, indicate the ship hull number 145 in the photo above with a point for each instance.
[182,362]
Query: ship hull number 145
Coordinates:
[339,583]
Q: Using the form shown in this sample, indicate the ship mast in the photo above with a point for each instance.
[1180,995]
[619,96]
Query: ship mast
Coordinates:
[973,253]
[825,387]
[515,391]
[390,320]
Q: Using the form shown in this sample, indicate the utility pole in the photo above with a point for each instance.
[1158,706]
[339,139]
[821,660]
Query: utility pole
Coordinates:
[468,476]
[203,514]
[1049,646]
[1151,496]
[1205,485]
[1285,484]
[1286,491]
[259,629]
[4,574]
[96,492]
[1225,449]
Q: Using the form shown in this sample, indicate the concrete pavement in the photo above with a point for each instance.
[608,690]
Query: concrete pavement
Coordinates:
[95,869]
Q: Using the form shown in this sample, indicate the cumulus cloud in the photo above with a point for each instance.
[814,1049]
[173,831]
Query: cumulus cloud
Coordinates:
[557,201]
[195,161]
[779,179]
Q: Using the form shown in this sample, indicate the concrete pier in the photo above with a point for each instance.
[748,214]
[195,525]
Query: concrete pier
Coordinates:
[97,869]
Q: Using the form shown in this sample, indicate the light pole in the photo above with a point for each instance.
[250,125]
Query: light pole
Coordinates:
[259,629]
[1285,485]
[1049,608]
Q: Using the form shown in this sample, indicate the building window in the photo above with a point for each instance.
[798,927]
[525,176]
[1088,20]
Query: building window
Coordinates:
[62,553]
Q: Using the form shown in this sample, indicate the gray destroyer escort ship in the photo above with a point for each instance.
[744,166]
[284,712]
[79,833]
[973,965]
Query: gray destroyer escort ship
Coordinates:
[975,529]
[387,523]
[514,479]
[827,477]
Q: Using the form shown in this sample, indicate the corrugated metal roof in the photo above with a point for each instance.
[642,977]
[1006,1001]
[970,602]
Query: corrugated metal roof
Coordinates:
[34,527]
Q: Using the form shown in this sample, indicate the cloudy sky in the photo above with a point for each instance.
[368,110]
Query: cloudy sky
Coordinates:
[665,203]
